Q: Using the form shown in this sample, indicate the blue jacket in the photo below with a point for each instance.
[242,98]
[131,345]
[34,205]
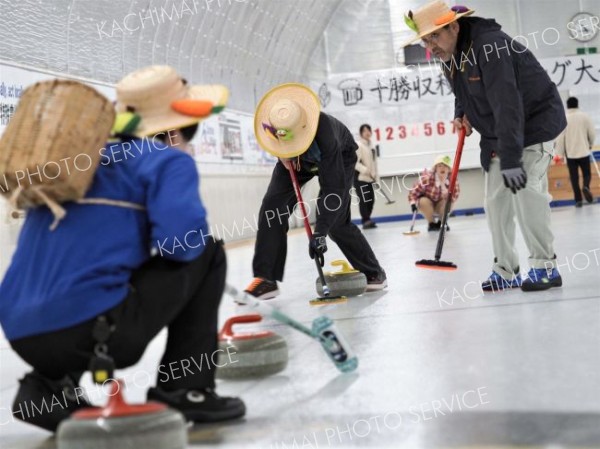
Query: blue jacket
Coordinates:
[506,94]
[58,279]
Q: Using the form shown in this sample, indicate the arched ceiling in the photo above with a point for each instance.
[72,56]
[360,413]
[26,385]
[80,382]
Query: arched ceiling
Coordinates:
[248,45]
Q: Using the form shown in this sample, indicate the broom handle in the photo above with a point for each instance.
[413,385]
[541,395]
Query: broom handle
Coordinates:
[414,219]
[309,233]
[267,310]
[300,200]
[453,177]
[385,195]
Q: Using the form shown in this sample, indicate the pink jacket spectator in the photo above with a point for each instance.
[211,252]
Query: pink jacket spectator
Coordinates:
[427,186]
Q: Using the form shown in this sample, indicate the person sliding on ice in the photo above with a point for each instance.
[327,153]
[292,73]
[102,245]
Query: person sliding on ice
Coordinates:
[430,192]
[367,174]
[504,93]
[96,272]
[288,124]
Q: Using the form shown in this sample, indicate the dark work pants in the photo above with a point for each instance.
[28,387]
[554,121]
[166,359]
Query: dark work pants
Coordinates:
[184,297]
[271,241]
[366,197]
[574,165]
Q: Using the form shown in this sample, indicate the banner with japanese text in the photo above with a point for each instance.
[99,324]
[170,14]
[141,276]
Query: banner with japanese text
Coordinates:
[410,110]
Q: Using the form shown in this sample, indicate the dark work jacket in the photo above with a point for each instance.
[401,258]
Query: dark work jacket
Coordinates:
[332,155]
[505,93]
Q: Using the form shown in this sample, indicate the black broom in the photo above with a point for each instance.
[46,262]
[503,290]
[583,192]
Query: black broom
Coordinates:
[437,264]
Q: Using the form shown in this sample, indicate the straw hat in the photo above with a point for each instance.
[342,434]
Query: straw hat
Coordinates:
[432,17]
[286,120]
[162,100]
[443,159]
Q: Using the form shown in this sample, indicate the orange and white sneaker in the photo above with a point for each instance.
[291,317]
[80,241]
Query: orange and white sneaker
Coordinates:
[376,282]
[262,289]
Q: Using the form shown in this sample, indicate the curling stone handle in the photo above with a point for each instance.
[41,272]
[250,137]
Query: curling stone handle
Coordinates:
[117,406]
[345,266]
[228,327]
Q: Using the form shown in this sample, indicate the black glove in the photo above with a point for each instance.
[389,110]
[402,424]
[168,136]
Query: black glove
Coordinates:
[514,178]
[413,208]
[317,247]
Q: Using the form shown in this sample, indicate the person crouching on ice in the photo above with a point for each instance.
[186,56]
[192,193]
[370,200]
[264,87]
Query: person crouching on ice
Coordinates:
[288,124]
[97,273]
[429,194]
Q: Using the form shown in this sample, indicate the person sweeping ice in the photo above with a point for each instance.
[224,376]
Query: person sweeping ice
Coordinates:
[503,92]
[288,123]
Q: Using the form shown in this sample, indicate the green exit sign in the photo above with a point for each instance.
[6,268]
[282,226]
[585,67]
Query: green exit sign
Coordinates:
[587,51]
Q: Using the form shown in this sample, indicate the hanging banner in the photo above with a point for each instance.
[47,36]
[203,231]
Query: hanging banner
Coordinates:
[411,110]
[410,113]
[383,88]
[574,73]
[426,84]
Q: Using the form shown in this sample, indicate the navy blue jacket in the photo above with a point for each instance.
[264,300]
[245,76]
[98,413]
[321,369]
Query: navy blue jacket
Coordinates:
[504,91]
[332,154]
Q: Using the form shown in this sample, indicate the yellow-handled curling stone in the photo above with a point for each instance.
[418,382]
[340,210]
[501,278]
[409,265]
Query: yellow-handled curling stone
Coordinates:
[345,282]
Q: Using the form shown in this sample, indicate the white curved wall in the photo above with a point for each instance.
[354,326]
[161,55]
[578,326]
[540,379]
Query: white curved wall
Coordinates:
[248,45]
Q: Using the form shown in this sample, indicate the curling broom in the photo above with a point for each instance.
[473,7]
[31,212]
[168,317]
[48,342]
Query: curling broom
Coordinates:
[412,226]
[387,198]
[323,330]
[437,264]
[326,299]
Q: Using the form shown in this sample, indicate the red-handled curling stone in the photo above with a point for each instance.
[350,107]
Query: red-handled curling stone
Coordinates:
[120,425]
[250,355]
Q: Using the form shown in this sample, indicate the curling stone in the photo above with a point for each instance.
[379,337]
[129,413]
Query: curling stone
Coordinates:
[346,282]
[120,425]
[250,355]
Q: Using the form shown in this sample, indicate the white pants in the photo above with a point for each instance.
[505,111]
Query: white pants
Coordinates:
[530,206]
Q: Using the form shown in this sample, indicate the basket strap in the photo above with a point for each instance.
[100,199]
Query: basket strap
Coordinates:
[14,197]
[59,212]
[107,202]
